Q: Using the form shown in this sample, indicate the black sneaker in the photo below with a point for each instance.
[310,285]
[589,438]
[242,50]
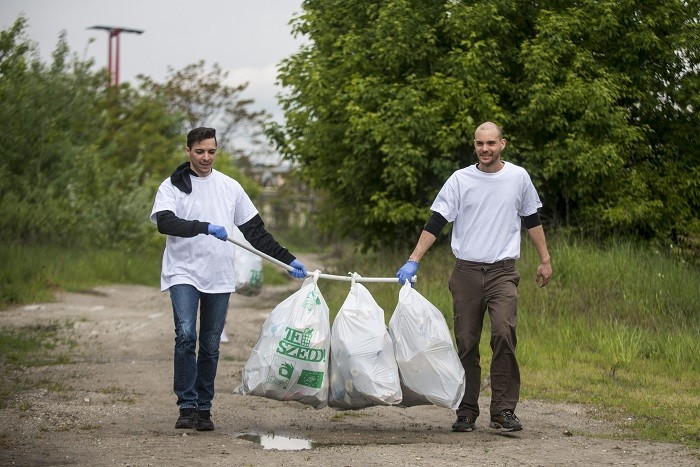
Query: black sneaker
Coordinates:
[505,421]
[187,419]
[463,424]
[204,422]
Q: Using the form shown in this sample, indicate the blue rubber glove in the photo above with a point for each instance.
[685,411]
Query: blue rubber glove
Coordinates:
[407,271]
[299,269]
[217,231]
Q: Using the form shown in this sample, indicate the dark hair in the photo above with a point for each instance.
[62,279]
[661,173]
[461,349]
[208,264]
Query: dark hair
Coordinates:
[200,134]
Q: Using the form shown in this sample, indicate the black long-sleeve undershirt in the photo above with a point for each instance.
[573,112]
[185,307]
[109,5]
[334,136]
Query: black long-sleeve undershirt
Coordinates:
[437,222]
[169,224]
[254,231]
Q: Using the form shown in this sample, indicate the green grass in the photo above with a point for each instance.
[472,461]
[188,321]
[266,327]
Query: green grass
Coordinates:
[274,275]
[36,345]
[617,329]
[33,273]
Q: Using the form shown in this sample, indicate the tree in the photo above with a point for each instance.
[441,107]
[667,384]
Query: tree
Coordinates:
[78,160]
[373,116]
[382,103]
[612,93]
[204,98]
[41,106]
[139,129]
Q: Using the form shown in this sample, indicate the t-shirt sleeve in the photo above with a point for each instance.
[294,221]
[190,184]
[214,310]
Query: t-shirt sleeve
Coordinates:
[165,200]
[245,209]
[531,200]
[447,202]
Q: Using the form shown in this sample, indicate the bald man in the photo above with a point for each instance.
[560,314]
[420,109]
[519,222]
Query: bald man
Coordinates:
[487,202]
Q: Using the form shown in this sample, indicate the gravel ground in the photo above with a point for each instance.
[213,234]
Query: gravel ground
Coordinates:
[113,405]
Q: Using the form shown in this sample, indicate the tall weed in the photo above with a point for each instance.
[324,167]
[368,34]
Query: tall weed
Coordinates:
[31,273]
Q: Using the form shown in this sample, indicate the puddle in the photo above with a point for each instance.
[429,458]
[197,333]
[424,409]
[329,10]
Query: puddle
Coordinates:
[281,443]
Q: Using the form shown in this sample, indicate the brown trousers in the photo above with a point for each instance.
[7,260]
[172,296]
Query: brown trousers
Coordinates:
[475,288]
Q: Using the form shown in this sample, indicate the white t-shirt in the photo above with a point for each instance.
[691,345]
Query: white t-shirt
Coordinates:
[486,210]
[203,261]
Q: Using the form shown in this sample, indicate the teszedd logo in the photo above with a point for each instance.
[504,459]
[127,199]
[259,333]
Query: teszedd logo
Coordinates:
[296,345]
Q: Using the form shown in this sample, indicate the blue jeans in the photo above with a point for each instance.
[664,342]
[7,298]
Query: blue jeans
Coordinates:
[193,380]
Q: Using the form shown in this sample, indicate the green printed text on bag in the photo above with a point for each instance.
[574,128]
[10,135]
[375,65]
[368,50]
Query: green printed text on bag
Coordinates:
[296,345]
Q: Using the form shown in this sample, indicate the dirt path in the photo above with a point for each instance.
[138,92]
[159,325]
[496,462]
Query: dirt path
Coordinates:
[114,406]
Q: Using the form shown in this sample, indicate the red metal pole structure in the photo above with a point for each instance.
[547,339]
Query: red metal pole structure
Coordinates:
[113,58]
[109,60]
[115,34]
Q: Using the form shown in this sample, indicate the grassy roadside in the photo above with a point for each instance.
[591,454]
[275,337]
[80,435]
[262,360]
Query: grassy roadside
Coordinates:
[34,273]
[617,329]
[35,345]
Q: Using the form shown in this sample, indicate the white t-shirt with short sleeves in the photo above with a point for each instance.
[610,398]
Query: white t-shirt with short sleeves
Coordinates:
[486,210]
[203,261]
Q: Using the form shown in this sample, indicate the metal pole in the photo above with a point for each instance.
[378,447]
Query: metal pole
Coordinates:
[116,81]
[333,277]
[113,58]
[110,69]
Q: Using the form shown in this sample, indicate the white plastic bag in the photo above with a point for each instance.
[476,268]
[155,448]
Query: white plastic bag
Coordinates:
[363,369]
[289,361]
[248,267]
[431,372]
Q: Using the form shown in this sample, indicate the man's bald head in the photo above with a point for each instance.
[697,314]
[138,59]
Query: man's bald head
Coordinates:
[489,126]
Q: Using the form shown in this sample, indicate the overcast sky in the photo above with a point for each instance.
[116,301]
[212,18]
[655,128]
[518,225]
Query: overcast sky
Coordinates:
[246,37]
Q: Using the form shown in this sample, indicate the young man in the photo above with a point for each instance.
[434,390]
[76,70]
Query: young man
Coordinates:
[196,207]
[487,202]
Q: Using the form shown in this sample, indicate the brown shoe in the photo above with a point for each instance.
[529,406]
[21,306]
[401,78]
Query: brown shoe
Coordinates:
[505,421]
